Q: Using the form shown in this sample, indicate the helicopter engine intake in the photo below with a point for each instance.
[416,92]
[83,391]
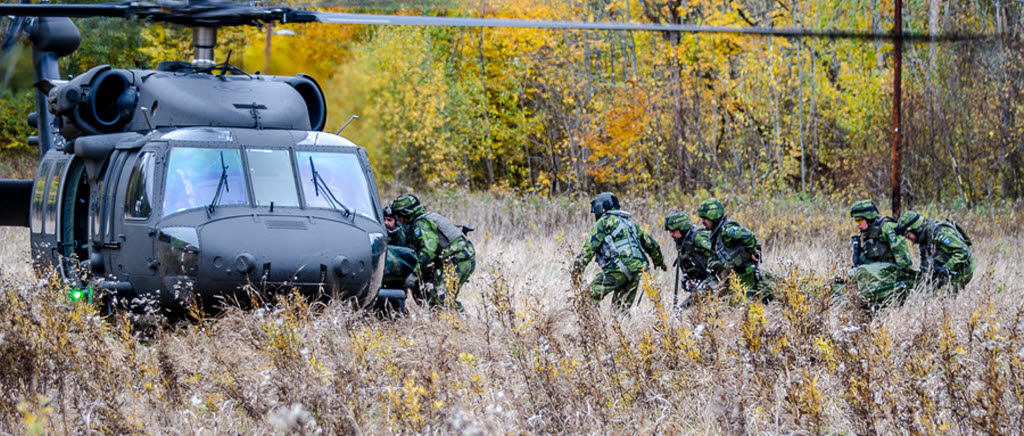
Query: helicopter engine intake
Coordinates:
[102,100]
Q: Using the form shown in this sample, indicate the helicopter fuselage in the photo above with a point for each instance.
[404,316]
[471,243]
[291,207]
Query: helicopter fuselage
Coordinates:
[210,214]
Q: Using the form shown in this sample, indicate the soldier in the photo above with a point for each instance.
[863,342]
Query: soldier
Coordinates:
[735,248]
[878,239]
[619,245]
[439,246]
[693,248]
[945,249]
[396,234]
[882,267]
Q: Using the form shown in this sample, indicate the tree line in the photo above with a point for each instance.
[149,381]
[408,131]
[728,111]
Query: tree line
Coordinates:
[561,111]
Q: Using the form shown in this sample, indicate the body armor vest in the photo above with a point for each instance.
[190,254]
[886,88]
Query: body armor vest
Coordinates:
[692,263]
[447,232]
[931,254]
[729,255]
[622,242]
[875,246]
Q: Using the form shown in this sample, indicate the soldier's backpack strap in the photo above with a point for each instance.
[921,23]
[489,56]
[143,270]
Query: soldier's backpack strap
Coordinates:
[962,233]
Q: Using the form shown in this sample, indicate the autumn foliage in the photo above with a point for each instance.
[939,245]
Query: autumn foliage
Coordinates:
[560,110]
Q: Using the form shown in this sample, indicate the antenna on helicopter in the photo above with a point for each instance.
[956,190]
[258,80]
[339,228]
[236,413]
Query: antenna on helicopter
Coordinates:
[353,117]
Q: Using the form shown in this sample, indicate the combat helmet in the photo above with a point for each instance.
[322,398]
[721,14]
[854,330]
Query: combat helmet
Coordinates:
[604,202]
[910,221]
[711,209]
[407,206]
[677,221]
[864,209]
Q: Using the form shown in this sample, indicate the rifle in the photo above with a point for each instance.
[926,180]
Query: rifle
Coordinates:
[675,291]
[855,243]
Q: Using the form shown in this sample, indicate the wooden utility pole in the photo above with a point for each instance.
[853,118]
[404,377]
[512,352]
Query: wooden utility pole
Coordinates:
[897,81]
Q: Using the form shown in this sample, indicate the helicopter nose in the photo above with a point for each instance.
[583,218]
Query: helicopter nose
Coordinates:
[291,251]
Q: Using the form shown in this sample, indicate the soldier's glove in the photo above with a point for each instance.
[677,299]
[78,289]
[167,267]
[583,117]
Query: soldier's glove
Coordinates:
[412,282]
[941,272]
[716,266]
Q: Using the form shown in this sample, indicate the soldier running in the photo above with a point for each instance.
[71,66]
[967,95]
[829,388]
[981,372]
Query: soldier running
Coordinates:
[619,245]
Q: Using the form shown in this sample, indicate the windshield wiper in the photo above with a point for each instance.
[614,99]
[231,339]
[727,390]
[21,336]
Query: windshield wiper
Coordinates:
[320,186]
[222,185]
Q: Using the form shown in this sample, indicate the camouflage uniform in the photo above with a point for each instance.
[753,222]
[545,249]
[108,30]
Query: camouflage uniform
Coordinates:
[693,250]
[619,246]
[946,256]
[880,242]
[735,248]
[883,269]
[440,246]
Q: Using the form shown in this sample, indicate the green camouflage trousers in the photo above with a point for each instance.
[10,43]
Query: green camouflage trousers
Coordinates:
[623,289]
[455,275]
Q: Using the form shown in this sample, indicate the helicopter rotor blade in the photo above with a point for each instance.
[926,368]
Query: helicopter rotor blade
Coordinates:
[410,20]
[119,10]
[221,13]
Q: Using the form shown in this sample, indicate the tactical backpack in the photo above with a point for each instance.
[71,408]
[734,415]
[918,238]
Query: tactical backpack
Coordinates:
[623,239]
[448,232]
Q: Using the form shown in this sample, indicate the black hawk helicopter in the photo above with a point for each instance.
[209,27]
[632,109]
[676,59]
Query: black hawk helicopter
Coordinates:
[193,180]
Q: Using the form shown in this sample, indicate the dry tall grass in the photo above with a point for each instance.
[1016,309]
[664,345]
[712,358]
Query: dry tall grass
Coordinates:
[531,355]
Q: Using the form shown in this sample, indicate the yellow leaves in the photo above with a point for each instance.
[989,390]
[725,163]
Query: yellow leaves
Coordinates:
[826,351]
[35,415]
[468,359]
[753,327]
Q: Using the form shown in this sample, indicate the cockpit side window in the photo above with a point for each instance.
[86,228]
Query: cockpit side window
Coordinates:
[140,188]
[196,175]
[337,176]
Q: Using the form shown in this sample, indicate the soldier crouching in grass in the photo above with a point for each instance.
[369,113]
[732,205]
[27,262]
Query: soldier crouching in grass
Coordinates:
[736,250]
[619,245]
[946,257]
[882,267]
[441,247]
[693,250]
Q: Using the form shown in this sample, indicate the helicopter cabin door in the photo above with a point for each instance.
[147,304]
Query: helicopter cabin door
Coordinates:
[133,218]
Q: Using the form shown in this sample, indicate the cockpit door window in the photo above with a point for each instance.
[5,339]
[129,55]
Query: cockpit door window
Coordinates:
[140,188]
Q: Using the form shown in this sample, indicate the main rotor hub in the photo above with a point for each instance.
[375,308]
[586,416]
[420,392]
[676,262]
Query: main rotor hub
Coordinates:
[204,40]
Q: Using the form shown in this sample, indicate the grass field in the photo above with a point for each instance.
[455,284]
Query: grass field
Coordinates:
[529,355]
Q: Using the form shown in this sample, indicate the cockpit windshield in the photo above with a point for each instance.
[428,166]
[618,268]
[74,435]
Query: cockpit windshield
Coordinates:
[273,180]
[194,174]
[339,175]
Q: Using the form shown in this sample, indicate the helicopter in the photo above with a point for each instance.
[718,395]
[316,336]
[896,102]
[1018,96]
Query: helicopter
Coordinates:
[195,180]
